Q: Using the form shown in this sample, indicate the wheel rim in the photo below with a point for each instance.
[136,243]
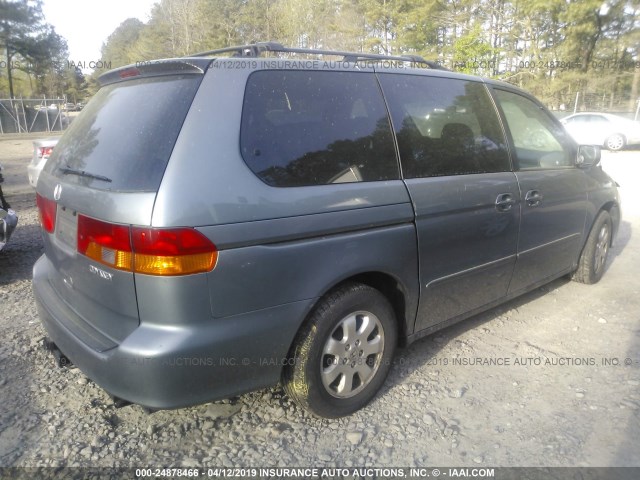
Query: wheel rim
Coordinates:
[352,354]
[602,248]
[615,142]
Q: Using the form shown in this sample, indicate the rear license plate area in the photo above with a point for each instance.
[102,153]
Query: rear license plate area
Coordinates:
[67,227]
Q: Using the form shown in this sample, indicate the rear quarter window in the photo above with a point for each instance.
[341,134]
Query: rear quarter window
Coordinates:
[126,133]
[304,128]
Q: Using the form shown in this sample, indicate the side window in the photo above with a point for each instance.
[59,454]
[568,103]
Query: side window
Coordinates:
[578,120]
[315,128]
[444,126]
[538,141]
[598,119]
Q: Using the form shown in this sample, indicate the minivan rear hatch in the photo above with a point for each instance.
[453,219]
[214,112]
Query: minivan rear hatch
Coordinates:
[102,179]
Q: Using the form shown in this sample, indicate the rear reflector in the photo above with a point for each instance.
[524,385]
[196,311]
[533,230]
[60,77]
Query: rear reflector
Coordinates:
[47,210]
[153,251]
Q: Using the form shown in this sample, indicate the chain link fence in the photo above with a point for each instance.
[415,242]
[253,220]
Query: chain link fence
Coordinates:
[33,115]
[603,102]
[563,104]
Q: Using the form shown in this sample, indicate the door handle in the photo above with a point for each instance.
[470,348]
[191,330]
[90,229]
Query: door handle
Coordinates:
[504,202]
[533,198]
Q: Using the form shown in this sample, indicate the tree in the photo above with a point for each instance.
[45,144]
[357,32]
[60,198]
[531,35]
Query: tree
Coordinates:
[546,46]
[75,85]
[421,28]
[29,43]
[472,53]
[381,18]
[119,48]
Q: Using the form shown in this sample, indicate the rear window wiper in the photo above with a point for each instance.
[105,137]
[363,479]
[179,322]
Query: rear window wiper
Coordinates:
[82,173]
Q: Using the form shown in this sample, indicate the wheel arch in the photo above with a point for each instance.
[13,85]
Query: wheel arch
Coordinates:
[613,209]
[394,292]
[590,254]
[296,380]
[388,285]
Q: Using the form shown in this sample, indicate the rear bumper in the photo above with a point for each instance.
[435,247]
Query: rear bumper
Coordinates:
[173,366]
[7,226]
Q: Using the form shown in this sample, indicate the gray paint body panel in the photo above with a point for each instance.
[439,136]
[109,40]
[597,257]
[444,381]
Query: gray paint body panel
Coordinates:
[251,278]
[307,226]
[467,247]
[550,232]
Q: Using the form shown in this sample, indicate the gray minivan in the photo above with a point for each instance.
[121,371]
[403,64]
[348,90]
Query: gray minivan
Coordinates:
[215,225]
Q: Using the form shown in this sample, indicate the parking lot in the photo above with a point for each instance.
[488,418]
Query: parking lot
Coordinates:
[549,379]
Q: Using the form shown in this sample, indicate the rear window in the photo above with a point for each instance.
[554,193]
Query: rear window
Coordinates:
[126,133]
[316,128]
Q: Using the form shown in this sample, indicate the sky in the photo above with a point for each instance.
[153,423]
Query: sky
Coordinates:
[86,24]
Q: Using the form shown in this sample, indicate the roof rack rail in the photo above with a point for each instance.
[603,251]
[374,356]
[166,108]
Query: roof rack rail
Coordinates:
[251,50]
[256,49]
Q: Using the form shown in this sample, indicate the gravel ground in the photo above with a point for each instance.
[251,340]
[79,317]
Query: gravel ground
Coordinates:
[557,403]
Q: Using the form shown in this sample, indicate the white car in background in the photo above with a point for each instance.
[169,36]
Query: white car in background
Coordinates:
[41,151]
[604,129]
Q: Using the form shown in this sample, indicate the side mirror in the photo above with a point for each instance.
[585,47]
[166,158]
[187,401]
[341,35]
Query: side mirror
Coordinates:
[588,155]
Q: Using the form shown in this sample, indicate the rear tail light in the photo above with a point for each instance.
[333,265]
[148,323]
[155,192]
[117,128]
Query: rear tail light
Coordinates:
[44,152]
[153,251]
[172,251]
[105,243]
[47,210]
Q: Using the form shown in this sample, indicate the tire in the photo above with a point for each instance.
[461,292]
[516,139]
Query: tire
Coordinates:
[343,353]
[593,259]
[615,142]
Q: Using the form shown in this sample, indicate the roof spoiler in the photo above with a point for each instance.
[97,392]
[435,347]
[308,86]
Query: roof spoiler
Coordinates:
[155,68]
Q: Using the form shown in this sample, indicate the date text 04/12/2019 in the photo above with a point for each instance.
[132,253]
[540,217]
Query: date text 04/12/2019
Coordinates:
[313,472]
